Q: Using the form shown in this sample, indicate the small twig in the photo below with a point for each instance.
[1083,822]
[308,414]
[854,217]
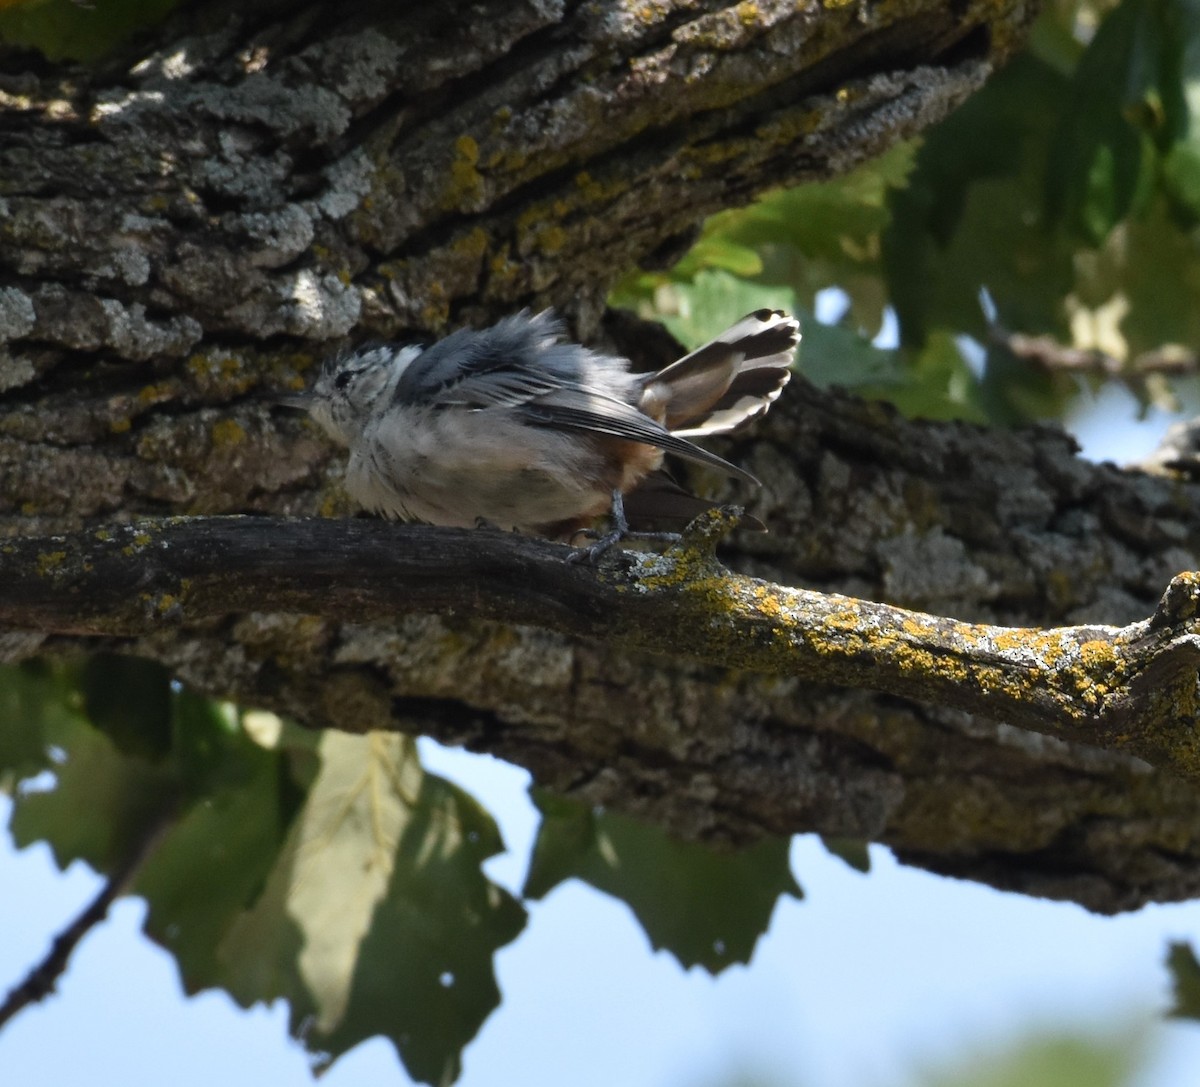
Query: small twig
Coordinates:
[1054,357]
[1050,355]
[39,983]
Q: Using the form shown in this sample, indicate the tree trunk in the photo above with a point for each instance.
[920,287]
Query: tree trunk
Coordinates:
[205,220]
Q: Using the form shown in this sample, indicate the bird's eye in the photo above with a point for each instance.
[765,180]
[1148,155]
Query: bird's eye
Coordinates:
[342,380]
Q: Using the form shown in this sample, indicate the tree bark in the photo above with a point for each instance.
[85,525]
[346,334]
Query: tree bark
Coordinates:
[205,219]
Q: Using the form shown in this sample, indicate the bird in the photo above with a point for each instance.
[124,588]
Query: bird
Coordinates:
[515,427]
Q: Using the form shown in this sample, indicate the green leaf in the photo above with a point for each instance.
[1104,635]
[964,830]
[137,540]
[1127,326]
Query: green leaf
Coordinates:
[376,917]
[129,699]
[332,872]
[1124,99]
[851,850]
[802,240]
[717,251]
[974,217]
[833,355]
[934,383]
[703,309]
[1014,390]
[706,907]
[208,743]
[1181,78]
[1055,35]
[213,862]
[1156,275]
[1185,976]
[68,30]
[833,221]
[37,703]
[129,749]
[102,800]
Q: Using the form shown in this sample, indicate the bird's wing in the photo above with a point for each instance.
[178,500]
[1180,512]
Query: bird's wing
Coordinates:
[519,363]
[504,364]
[580,408]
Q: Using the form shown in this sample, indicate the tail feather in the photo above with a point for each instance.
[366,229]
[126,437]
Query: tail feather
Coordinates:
[659,504]
[728,381]
[749,395]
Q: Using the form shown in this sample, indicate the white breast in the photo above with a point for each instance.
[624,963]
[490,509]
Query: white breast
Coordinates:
[453,466]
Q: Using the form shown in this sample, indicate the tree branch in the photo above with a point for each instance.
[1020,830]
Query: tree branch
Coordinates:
[39,983]
[1052,356]
[1131,689]
[399,171]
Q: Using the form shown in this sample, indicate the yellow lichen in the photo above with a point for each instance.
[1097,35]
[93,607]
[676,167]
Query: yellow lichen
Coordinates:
[748,13]
[227,432]
[473,244]
[503,268]
[1097,654]
[436,310]
[466,182]
[594,191]
[550,239]
[50,560]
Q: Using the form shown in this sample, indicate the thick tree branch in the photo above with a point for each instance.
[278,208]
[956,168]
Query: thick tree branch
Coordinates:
[1131,689]
[402,170]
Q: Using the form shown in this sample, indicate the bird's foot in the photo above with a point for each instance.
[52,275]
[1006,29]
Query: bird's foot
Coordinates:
[619,532]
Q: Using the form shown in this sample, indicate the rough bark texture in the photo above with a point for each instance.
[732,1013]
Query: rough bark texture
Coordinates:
[208,217]
[1122,688]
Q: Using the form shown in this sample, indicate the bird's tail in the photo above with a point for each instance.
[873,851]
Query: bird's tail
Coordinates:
[728,381]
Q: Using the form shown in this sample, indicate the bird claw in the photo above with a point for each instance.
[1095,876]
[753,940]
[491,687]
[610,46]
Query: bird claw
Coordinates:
[620,531]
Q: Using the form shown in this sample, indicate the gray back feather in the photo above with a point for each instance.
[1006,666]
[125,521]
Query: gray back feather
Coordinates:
[510,362]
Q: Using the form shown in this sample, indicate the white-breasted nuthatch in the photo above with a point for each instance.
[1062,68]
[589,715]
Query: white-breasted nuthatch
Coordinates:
[513,427]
